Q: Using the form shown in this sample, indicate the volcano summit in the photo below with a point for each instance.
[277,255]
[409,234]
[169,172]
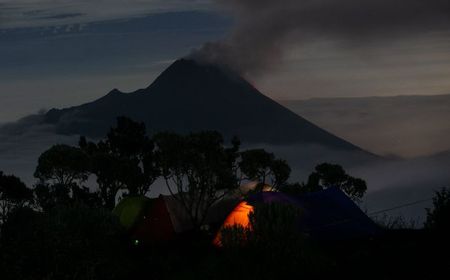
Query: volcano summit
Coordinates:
[190,96]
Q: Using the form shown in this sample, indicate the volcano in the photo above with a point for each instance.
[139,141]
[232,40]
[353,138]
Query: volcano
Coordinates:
[188,97]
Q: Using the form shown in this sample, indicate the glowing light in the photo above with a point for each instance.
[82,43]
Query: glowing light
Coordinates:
[239,216]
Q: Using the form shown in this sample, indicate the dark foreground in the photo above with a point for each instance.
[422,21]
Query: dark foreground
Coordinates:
[86,243]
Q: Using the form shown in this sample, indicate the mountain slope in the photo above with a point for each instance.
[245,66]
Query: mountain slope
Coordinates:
[190,97]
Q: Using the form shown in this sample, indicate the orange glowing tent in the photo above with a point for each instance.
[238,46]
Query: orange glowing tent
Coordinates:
[239,216]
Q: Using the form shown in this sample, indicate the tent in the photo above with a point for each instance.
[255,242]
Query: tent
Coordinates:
[147,220]
[181,221]
[325,215]
[164,218]
[239,216]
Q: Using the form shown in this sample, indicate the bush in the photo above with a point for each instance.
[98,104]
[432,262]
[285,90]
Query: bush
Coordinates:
[395,222]
[438,218]
[273,245]
[65,243]
[268,223]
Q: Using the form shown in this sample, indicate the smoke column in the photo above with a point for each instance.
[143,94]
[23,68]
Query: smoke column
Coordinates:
[265,28]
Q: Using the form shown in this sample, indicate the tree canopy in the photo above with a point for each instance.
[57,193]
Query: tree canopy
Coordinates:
[63,165]
[61,171]
[198,169]
[438,218]
[262,166]
[124,160]
[13,194]
[328,175]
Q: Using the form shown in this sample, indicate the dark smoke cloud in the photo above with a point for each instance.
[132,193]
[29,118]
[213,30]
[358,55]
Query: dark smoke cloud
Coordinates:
[263,28]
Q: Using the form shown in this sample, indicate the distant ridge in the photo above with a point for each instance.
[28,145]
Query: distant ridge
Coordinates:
[189,96]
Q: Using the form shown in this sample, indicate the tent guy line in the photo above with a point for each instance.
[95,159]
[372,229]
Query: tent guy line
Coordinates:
[373,213]
[383,211]
[400,206]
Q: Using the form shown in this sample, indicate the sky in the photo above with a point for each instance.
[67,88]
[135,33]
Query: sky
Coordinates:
[64,53]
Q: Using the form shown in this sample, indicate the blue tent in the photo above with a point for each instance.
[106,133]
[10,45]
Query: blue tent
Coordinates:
[325,215]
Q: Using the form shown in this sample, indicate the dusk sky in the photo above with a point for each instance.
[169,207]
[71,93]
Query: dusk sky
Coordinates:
[63,53]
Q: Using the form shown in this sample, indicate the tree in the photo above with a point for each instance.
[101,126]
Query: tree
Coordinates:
[111,173]
[198,170]
[281,172]
[438,218]
[13,194]
[49,196]
[63,165]
[124,160]
[328,175]
[61,171]
[130,143]
[259,165]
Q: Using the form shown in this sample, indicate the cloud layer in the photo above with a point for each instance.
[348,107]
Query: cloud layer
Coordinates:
[407,126]
[37,13]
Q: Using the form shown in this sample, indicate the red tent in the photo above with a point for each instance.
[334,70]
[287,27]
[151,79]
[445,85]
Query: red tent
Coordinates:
[147,220]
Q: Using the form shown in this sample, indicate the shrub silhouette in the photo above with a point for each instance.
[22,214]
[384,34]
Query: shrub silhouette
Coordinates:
[73,242]
[438,218]
[270,224]
[13,194]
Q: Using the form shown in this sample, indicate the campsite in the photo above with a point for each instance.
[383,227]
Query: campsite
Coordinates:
[224,139]
[229,214]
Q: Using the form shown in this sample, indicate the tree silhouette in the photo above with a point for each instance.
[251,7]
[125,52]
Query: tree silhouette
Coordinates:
[438,218]
[48,196]
[261,166]
[13,194]
[123,160]
[62,165]
[130,143]
[61,172]
[198,170]
[328,175]
[332,175]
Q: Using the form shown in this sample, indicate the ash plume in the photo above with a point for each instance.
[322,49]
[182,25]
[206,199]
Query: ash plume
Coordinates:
[264,29]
